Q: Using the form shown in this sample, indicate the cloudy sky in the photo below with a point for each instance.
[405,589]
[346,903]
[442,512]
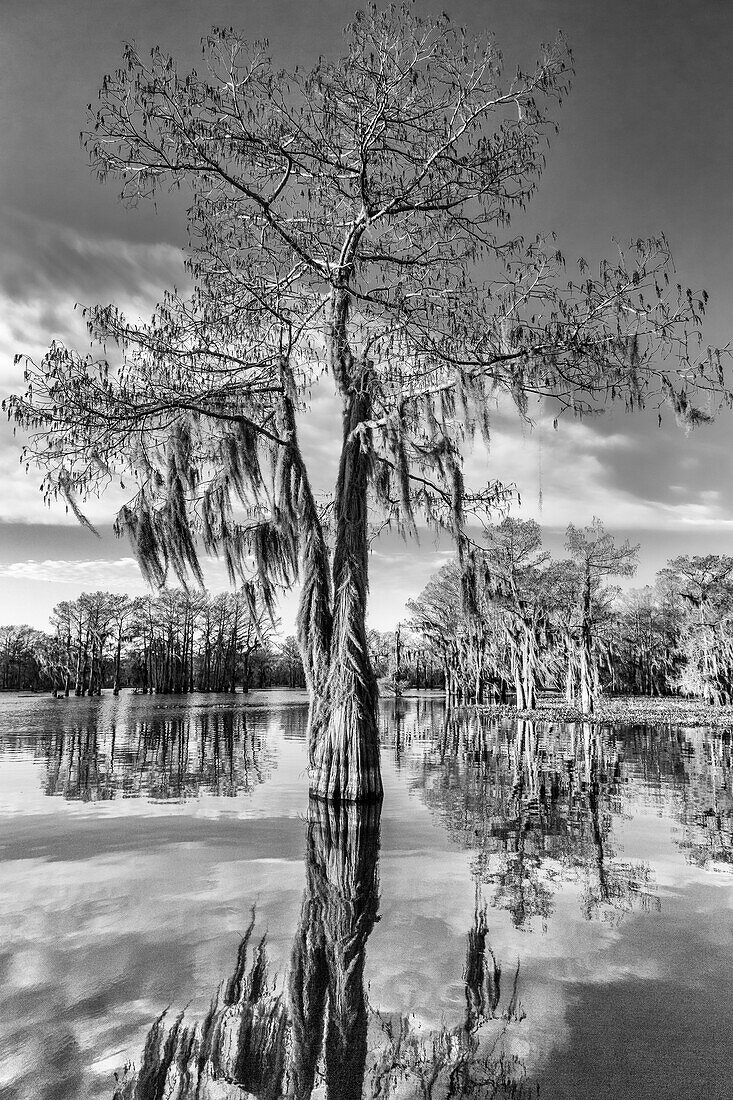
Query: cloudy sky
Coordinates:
[646,145]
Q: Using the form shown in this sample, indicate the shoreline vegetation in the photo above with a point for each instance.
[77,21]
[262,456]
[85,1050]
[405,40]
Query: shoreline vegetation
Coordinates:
[615,709]
[610,710]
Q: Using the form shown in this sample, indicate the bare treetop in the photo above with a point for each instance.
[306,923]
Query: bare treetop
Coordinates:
[596,552]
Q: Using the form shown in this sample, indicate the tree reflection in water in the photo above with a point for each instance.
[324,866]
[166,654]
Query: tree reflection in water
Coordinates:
[536,803]
[535,799]
[483,979]
[327,1000]
[161,757]
[320,1035]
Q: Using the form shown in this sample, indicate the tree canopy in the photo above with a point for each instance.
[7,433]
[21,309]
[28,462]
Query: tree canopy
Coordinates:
[353,219]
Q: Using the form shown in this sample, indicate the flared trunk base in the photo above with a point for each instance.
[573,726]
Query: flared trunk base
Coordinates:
[345,763]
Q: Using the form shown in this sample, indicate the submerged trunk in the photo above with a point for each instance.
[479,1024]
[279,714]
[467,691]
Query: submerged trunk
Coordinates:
[345,754]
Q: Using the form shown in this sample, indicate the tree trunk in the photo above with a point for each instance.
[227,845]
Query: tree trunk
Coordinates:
[517,675]
[85,671]
[570,671]
[252,647]
[345,750]
[232,685]
[93,673]
[118,656]
[80,661]
[190,686]
[587,692]
[397,662]
[528,671]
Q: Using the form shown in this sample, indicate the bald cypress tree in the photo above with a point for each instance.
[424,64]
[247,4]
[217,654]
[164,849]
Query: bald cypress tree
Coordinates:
[597,557]
[353,219]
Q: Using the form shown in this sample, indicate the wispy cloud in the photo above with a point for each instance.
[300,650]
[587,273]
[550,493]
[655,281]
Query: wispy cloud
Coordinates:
[621,468]
[120,575]
[50,264]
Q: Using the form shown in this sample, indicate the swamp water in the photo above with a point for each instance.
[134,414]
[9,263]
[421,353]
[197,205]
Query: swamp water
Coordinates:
[538,906]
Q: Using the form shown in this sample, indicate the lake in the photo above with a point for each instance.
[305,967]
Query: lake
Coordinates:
[540,908]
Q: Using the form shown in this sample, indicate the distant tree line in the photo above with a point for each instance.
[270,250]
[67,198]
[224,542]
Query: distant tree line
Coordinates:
[403,659]
[513,623]
[172,643]
[518,621]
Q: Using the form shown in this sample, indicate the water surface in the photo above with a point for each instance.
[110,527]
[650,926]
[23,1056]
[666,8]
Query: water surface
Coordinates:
[537,905]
